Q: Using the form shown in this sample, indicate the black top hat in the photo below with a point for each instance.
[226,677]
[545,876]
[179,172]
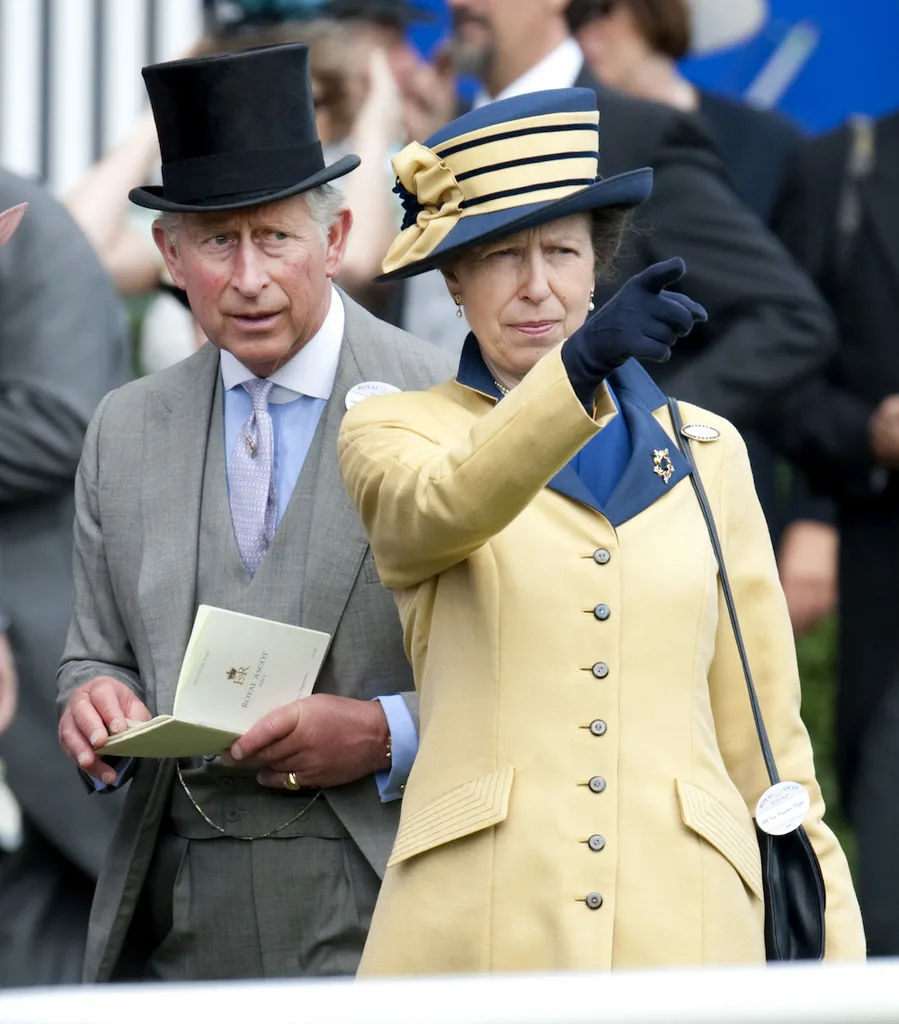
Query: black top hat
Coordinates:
[235,130]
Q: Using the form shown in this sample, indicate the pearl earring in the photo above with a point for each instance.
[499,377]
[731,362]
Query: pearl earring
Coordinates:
[591,305]
[458,301]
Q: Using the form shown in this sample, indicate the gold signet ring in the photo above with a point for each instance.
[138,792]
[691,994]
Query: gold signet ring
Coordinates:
[291,781]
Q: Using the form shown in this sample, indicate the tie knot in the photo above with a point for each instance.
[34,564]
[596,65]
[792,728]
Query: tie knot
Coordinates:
[259,389]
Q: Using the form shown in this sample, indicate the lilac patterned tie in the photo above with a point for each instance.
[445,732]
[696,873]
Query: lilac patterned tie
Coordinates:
[251,475]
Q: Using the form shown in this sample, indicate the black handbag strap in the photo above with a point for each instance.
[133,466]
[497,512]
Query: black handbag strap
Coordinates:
[683,442]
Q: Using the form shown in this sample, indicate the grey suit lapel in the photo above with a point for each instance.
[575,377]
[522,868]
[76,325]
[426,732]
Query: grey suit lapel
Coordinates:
[335,540]
[177,427]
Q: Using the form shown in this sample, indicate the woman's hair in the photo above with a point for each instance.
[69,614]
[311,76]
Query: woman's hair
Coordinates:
[664,24]
[607,232]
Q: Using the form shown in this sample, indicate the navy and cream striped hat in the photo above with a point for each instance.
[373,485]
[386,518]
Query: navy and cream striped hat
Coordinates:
[510,165]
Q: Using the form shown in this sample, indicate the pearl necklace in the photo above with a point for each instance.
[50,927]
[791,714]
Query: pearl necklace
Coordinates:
[503,390]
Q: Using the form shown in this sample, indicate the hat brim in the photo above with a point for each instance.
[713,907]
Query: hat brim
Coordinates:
[623,190]
[151,196]
[716,26]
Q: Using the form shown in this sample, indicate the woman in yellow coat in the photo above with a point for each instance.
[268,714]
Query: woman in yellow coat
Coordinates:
[588,764]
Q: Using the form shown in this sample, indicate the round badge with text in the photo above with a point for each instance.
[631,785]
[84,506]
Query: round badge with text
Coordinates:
[782,808]
[368,389]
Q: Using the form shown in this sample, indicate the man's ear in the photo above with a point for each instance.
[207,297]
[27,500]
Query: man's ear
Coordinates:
[166,245]
[338,234]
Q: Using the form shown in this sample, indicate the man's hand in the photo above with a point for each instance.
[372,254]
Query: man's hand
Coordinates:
[95,710]
[808,572]
[9,683]
[883,430]
[325,740]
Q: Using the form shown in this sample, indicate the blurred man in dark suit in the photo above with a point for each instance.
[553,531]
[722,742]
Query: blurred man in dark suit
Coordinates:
[634,46]
[63,345]
[844,428]
[768,329]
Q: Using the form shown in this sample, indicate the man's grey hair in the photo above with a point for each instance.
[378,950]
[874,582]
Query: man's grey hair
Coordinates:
[323,202]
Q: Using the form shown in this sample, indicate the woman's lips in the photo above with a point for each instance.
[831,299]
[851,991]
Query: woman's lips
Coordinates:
[536,327]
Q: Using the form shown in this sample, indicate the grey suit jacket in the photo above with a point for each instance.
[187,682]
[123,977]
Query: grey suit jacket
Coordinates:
[137,513]
[64,343]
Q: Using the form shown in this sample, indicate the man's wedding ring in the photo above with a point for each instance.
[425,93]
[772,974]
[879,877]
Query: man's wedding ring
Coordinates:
[290,782]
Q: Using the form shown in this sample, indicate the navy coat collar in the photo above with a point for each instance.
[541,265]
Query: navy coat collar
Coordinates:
[638,395]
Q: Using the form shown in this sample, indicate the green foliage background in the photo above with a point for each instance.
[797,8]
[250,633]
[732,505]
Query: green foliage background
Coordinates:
[817,670]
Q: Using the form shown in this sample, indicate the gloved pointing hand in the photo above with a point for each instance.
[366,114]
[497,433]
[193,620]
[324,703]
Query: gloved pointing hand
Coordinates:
[642,320]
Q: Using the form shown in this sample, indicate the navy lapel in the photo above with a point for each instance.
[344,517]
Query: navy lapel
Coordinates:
[640,485]
[637,395]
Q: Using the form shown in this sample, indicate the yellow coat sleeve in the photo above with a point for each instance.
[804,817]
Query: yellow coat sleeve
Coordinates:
[427,506]
[768,635]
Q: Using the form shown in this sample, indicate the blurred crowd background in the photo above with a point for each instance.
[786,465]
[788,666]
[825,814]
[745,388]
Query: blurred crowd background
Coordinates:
[799,96]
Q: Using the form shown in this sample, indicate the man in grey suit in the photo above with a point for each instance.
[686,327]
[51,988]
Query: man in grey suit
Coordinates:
[216,482]
[63,345]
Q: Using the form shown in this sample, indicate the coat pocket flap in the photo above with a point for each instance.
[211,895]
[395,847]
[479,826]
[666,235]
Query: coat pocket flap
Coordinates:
[709,818]
[466,809]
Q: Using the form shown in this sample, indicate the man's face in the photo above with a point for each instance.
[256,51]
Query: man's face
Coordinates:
[484,28]
[259,278]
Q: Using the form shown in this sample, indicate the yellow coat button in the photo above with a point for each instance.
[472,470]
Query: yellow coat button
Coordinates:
[594,900]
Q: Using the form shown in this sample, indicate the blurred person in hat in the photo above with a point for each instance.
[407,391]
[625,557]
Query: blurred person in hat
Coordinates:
[266,861]
[64,343]
[583,793]
[843,427]
[634,46]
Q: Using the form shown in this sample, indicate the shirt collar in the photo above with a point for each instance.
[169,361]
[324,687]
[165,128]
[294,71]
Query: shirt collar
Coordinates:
[557,70]
[310,372]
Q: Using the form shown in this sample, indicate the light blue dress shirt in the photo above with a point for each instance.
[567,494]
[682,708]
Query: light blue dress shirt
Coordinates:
[301,388]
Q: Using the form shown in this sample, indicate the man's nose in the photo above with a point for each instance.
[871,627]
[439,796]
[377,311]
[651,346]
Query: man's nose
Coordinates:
[249,274]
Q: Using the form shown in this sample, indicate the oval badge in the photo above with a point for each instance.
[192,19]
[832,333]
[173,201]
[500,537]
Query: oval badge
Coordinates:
[368,389]
[700,432]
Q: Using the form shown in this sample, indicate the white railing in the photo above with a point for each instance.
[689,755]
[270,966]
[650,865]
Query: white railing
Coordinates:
[783,994]
[70,83]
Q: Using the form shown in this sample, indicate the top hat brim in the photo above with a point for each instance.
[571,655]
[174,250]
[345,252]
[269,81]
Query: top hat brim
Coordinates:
[622,190]
[151,196]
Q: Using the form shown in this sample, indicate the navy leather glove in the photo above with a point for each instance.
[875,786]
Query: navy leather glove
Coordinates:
[642,320]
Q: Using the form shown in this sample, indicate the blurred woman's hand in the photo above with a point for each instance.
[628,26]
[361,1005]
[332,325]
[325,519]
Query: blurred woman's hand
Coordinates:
[807,561]
[429,97]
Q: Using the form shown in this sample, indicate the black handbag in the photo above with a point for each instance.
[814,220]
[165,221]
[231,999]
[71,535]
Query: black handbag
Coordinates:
[791,875]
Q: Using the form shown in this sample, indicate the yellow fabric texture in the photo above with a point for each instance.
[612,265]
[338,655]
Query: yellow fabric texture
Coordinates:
[496,581]
[431,175]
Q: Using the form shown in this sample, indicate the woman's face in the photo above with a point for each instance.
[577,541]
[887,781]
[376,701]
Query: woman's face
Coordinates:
[527,293]
[614,46]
